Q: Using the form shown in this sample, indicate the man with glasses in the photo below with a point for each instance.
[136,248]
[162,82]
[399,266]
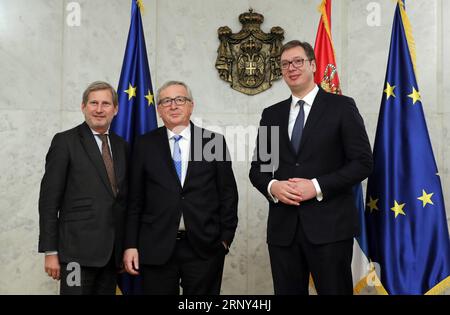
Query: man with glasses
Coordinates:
[83,199]
[182,212]
[323,151]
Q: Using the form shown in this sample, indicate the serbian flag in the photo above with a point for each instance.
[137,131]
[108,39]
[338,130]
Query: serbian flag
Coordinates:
[327,78]
[326,75]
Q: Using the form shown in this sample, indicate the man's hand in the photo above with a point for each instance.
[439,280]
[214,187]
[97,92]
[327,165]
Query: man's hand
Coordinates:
[304,187]
[52,266]
[131,261]
[285,191]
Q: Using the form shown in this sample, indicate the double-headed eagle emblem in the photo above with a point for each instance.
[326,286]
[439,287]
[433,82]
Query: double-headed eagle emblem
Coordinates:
[250,59]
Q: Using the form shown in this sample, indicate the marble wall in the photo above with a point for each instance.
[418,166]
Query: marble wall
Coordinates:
[45,64]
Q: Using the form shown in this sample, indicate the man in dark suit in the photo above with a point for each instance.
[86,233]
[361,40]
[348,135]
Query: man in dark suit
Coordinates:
[82,204]
[182,212]
[319,150]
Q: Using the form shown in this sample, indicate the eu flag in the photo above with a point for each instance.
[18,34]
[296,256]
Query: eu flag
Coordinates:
[136,114]
[406,222]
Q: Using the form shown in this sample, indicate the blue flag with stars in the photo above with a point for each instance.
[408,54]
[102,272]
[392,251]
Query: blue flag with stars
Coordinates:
[405,214]
[137,113]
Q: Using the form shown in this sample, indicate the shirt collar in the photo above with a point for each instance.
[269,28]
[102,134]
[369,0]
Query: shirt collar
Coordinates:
[308,99]
[98,133]
[185,133]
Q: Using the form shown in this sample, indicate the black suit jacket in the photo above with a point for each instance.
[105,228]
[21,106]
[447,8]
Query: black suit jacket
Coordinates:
[78,214]
[334,149]
[208,198]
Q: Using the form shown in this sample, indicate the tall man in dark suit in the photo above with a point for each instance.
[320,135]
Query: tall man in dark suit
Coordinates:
[323,150]
[182,212]
[82,204]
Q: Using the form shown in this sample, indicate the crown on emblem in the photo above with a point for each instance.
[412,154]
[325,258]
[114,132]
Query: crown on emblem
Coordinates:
[249,18]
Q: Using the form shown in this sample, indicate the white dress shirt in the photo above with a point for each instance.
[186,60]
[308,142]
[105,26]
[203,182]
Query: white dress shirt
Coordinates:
[185,147]
[99,141]
[295,109]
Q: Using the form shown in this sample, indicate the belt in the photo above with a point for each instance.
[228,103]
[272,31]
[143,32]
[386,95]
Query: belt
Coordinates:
[181,235]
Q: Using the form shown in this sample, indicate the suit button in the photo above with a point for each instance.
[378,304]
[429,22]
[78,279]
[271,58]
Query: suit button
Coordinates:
[297,164]
[182,197]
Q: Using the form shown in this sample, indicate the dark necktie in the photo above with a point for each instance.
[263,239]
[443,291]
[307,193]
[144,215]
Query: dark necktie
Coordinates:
[298,127]
[107,159]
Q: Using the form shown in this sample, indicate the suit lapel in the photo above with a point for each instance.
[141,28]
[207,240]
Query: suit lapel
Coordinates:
[196,138]
[284,124]
[118,158]
[196,150]
[314,116]
[91,148]
[166,155]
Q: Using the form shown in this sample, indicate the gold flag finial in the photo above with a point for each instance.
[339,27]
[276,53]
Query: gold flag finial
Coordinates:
[140,5]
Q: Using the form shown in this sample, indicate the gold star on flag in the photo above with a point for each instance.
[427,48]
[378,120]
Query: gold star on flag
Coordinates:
[398,209]
[131,91]
[372,204]
[426,198]
[389,90]
[149,97]
[415,95]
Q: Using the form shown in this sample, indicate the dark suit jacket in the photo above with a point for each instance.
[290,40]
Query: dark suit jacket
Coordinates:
[208,199]
[335,150]
[79,215]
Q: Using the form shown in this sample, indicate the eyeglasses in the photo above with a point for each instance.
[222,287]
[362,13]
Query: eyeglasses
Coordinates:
[179,101]
[297,63]
[95,104]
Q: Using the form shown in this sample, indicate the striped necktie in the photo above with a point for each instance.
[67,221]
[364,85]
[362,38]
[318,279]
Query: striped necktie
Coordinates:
[177,155]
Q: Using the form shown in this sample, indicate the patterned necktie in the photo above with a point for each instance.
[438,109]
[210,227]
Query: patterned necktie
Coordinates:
[298,127]
[107,159]
[177,155]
